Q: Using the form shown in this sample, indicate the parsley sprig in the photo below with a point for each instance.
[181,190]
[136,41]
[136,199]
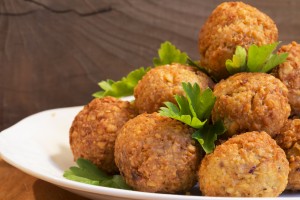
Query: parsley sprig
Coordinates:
[167,54]
[257,59]
[194,109]
[123,87]
[208,135]
[88,173]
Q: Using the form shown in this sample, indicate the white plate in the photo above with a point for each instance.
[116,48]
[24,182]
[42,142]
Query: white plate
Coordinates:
[39,146]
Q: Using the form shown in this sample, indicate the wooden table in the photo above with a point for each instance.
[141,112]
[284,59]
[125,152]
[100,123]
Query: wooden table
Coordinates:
[53,53]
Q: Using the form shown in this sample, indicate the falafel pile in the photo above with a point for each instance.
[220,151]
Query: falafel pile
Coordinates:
[259,154]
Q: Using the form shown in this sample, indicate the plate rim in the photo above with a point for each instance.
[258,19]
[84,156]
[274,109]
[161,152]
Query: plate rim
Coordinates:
[97,190]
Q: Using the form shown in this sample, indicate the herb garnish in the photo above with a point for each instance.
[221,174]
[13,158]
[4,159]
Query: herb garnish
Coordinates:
[194,109]
[88,173]
[258,59]
[208,135]
[167,54]
[121,88]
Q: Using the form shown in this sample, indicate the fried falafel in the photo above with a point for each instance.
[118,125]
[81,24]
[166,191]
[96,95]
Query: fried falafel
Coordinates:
[161,83]
[251,102]
[289,73]
[247,165]
[157,154]
[289,140]
[94,130]
[232,24]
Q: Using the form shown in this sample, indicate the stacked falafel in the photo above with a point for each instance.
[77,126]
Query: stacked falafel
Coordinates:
[157,154]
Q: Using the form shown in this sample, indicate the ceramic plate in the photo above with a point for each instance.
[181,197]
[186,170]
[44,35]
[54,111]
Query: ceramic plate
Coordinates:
[39,146]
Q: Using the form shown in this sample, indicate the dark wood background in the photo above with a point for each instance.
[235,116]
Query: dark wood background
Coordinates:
[53,53]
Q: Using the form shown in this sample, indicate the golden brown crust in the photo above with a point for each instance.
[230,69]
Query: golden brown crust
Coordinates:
[251,102]
[157,154]
[160,84]
[94,130]
[289,134]
[294,175]
[247,165]
[229,25]
[289,140]
[289,73]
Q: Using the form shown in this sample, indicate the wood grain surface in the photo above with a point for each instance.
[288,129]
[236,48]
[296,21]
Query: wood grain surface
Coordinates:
[54,52]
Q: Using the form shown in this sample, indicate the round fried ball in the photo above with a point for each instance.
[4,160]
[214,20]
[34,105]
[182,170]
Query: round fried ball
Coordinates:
[251,102]
[229,25]
[289,140]
[289,73]
[247,165]
[94,130]
[161,83]
[157,154]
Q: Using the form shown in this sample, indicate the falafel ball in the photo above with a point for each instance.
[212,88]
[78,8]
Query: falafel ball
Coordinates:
[161,83]
[289,73]
[94,130]
[247,165]
[289,140]
[251,102]
[229,25]
[157,154]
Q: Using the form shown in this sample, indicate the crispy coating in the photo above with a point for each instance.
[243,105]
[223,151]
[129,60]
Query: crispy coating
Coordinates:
[294,175]
[289,140]
[247,165]
[160,84]
[289,134]
[251,102]
[157,154]
[94,130]
[229,25]
[289,73]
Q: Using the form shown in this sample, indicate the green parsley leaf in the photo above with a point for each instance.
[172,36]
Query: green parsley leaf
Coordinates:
[201,103]
[169,54]
[173,112]
[258,59]
[258,56]
[88,170]
[274,60]
[116,181]
[71,176]
[194,109]
[121,88]
[88,173]
[238,62]
[208,135]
